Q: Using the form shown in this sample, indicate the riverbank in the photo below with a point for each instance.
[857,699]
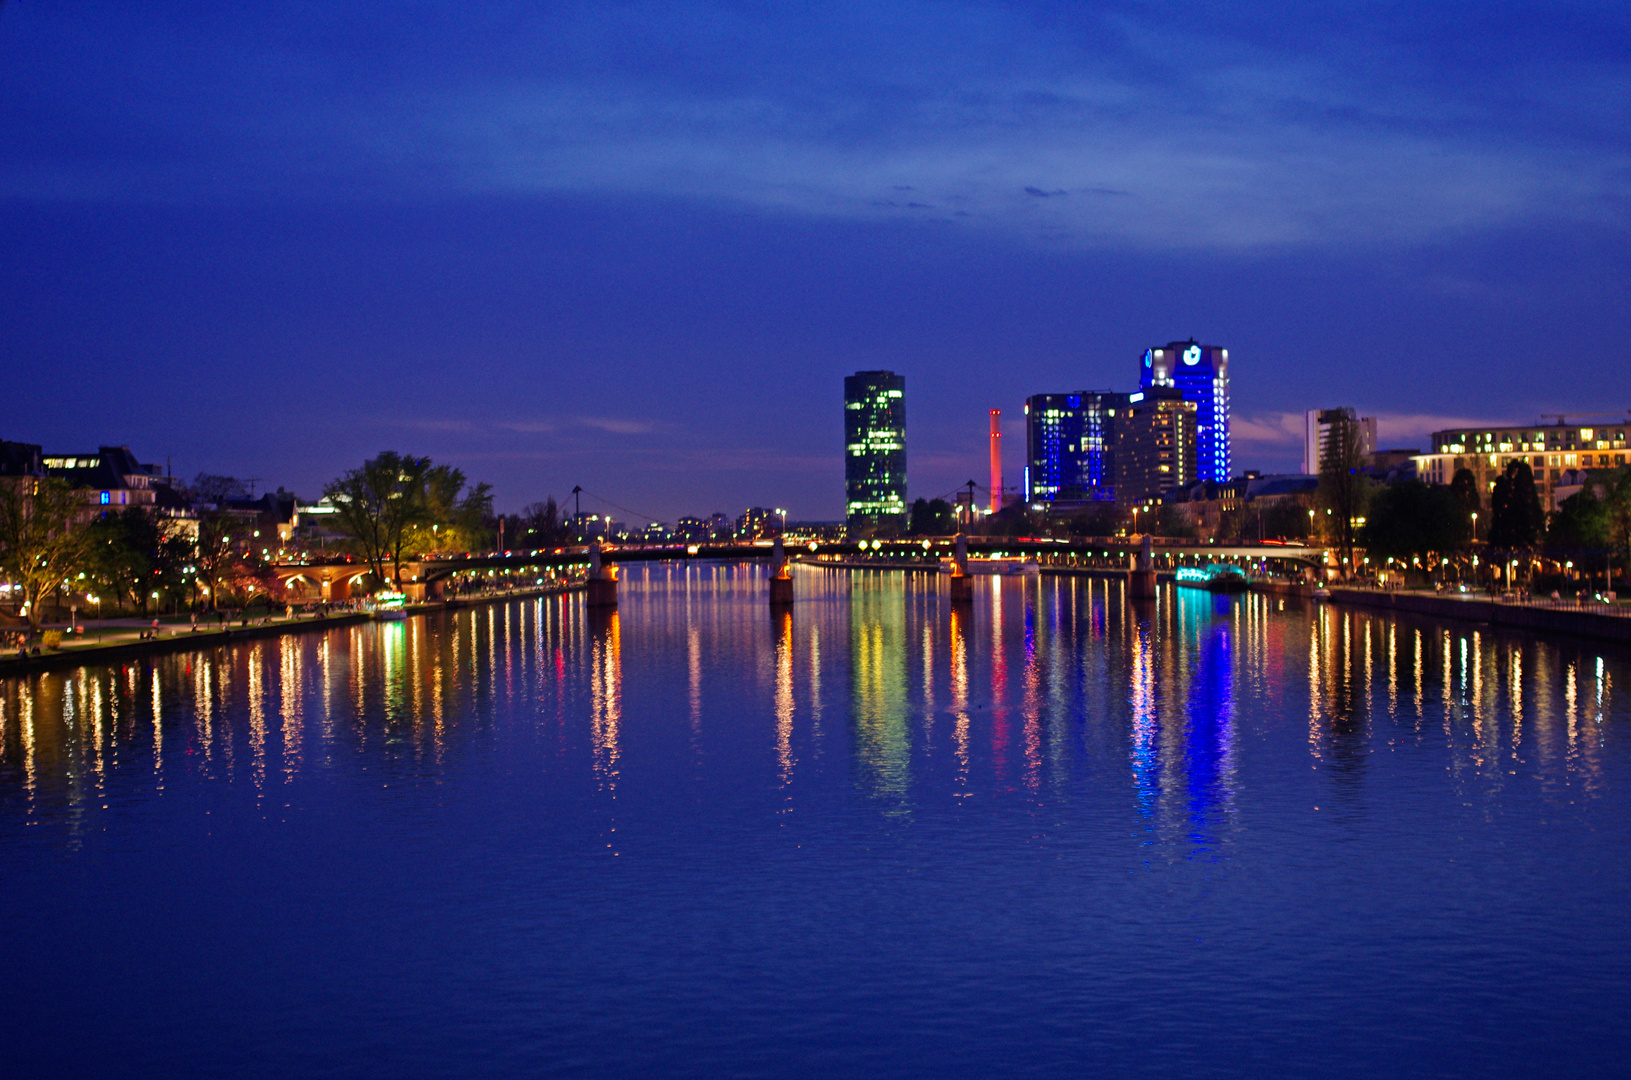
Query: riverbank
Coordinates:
[1544,617]
[77,650]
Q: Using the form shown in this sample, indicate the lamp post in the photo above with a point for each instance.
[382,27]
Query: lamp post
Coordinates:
[1475,544]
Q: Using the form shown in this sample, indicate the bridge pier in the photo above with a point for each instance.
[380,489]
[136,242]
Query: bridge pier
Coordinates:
[781,577]
[962,585]
[602,581]
[1141,580]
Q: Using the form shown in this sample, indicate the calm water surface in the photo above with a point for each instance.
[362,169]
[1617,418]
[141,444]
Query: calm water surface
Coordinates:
[1055,834]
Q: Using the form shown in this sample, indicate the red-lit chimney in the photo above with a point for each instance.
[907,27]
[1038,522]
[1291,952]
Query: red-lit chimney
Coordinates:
[996,460]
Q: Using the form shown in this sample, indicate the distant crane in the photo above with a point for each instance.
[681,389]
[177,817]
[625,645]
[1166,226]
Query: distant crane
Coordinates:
[1563,418]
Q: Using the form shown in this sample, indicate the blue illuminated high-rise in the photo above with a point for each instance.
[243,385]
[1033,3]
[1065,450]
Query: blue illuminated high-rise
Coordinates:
[1202,373]
[1069,447]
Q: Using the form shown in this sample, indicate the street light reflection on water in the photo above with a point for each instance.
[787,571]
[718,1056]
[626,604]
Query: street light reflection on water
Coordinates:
[1066,662]
[1042,800]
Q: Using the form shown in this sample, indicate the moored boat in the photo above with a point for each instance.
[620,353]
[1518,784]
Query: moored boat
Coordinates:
[390,606]
[1214,577]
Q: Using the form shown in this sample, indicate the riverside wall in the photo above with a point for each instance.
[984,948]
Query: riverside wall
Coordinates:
[1535,618]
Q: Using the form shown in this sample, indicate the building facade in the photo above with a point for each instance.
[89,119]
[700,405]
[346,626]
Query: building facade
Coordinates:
[1201,372]
[110,479]
[874,448]
[1155,445]
[1558,454]
[1317,433]
[1070,447]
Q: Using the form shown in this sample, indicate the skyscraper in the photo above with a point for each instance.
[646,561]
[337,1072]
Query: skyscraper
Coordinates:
[1155,445]
[1070,447]
[1202,373]
[1317,432]
[874,447]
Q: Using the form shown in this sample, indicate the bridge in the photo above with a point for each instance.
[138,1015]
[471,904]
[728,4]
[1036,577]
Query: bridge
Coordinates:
[426,578]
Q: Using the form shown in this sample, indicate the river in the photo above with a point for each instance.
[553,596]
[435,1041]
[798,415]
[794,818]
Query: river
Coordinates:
[1053,833]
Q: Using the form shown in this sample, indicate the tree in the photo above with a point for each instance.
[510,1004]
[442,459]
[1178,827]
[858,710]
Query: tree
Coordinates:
[1413,520]
[1465,486]
[41,543]
[1281,519]
[1169,519]
[1581,525]
[448,518]
[541,524]
[1343,487]
[1098,519]
[933,517]
[377,503]
[1516,519]
[1619,513]
[133,554]
[395,505]
[218,550]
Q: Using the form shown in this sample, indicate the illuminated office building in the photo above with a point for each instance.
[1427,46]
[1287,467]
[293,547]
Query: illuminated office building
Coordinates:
[1155,443]
[1202,373]
[1070,448]
[874,448]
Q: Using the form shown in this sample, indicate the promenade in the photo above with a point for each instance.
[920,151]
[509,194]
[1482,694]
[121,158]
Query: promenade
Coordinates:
[115,640]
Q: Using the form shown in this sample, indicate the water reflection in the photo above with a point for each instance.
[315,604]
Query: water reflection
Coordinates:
[878,688]
[606,697]
[1037,691]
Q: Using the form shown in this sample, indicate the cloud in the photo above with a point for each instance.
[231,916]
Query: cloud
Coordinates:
[1210,132]
[425,423]
[615,426]
[537,426]
[1267,431]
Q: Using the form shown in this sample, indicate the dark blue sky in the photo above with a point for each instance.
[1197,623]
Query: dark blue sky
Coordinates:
[636,247]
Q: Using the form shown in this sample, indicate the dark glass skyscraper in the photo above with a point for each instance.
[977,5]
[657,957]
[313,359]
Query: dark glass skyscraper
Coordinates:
[1070,447]
[874,447]
[1202,373]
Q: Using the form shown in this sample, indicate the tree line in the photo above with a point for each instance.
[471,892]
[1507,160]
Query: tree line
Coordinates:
[55,548]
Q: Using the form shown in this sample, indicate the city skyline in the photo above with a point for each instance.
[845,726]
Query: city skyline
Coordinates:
[259,246]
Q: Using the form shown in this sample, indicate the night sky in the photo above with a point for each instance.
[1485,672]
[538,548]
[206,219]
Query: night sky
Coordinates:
[637,247]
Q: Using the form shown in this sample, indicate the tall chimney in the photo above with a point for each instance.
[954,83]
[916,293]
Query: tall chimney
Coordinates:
[996,460]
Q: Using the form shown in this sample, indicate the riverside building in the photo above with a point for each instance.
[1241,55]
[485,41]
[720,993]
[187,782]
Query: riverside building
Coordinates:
[1558,454]
[1070,448]
[874,448]
[1201,372]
